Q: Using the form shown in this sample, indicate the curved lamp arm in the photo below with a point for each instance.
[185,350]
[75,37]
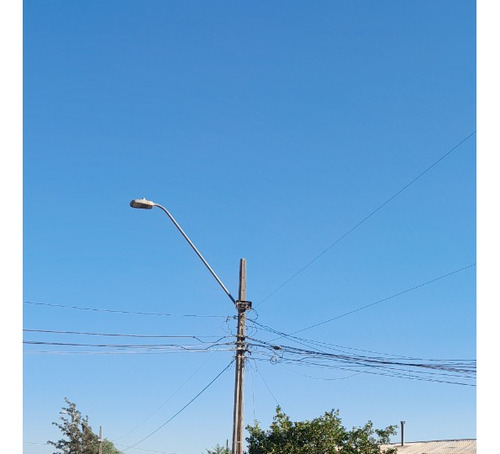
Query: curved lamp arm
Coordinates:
[148,205]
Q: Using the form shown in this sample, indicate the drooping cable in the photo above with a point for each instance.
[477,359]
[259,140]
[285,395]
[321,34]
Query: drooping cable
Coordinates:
[183,408]
[115,311]
[420,175]
[291,335]
[166,401]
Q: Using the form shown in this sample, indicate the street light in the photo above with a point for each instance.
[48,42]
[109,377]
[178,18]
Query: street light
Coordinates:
[142,203]
[148,205]
[241,305]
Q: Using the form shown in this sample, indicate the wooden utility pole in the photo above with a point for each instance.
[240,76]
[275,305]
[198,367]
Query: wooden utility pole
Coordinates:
[242,306]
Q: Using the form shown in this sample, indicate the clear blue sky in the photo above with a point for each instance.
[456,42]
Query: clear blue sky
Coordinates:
[322,141]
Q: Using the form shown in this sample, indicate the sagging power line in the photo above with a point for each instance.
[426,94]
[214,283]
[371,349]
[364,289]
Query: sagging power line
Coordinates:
[449,371]
[116,311]
[420,175]
[353,311]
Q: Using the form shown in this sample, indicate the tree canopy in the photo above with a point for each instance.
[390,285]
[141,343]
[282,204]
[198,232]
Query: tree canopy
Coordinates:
[218,449]
[323,435]
[78,437]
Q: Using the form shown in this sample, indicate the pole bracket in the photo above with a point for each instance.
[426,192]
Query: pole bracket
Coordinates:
[243,305]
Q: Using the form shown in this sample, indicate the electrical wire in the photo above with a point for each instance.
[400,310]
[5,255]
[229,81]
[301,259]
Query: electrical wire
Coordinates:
[162,348]
[458,371]
[458,364]
[385,299]
[166,401]
[440,369]
[308,264]
[183,408]
[321,378]
[403,374]
[114,311]
[451,371]
[156,336]
[253,389]
[267,386]
[415,287]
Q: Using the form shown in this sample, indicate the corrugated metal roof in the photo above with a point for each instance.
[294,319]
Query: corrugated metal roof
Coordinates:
[438,447]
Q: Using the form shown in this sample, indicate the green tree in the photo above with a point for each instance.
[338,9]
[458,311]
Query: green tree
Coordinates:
[218,449]
[323,435]
[78,437]
[109,448]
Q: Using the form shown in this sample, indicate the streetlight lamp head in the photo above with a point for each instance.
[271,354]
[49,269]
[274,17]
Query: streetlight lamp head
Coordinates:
[142,203]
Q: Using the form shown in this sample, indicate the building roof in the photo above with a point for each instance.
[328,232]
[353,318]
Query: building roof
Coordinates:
[437,447]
